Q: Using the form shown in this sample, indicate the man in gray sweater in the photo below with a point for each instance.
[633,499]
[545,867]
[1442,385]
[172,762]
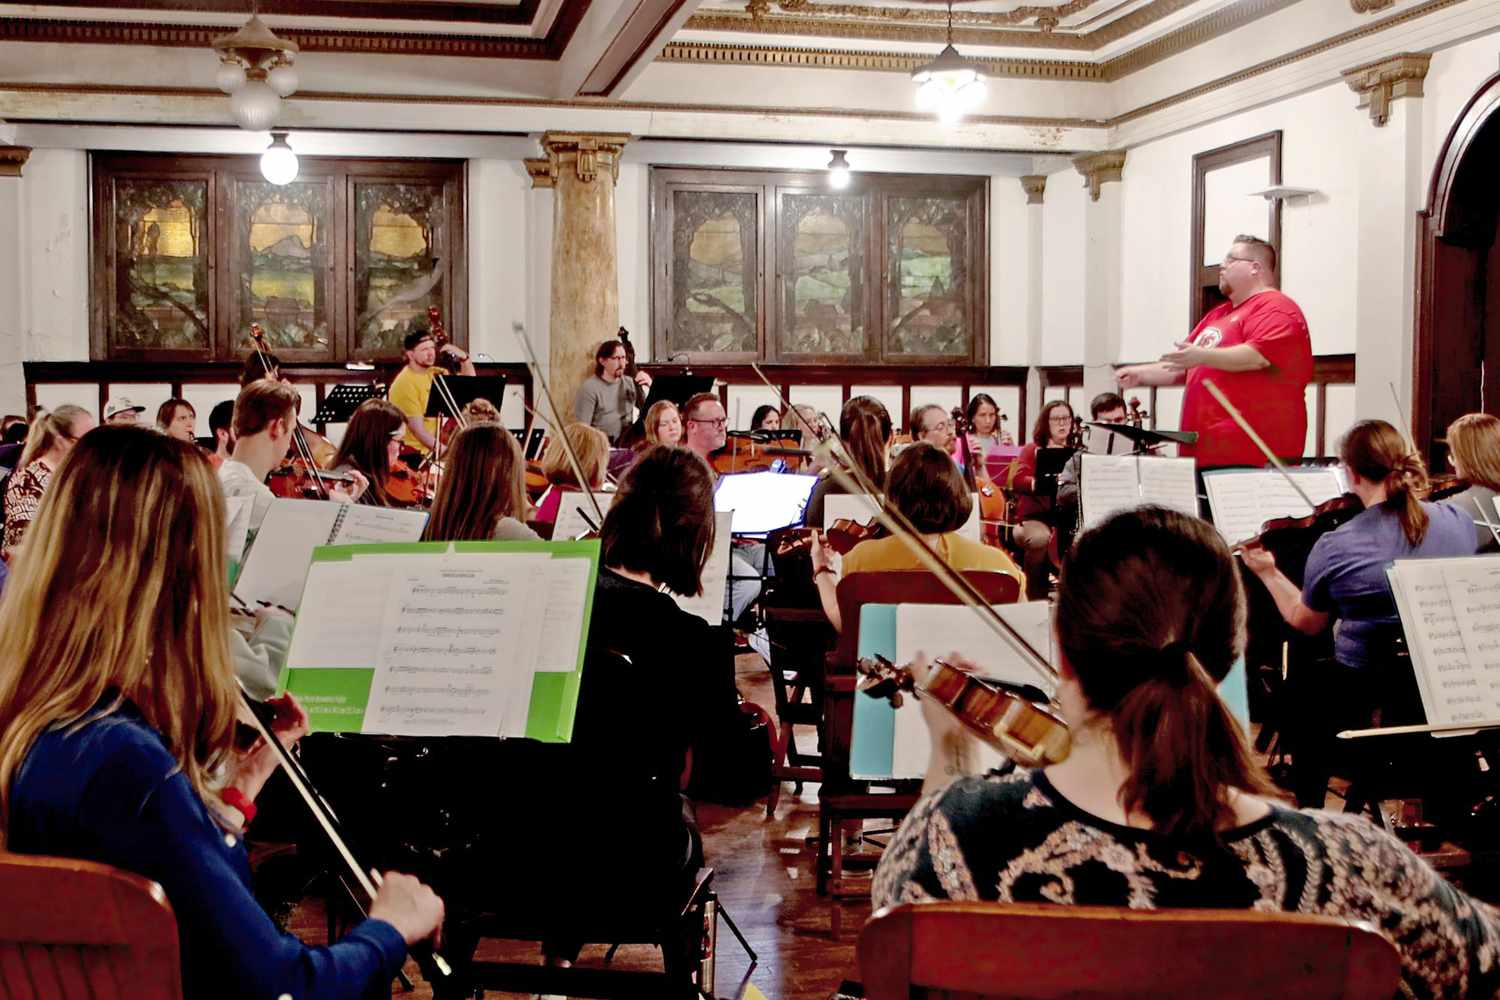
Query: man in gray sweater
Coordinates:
[607,400]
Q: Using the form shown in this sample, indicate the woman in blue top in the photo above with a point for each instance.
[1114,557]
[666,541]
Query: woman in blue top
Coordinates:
[1345,583]
[117,712]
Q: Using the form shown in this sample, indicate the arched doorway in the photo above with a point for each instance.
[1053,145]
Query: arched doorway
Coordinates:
[1458,276]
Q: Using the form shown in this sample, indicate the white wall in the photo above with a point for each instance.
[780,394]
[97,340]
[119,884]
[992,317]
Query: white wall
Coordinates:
[1010,271]
[1452,78]
[1062,265]
[1322,138]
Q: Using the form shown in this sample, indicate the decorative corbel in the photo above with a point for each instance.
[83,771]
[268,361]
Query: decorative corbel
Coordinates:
[12,159]
[1380,83]
[1035,186]
[1370,6]
[1099,169]
[587,154]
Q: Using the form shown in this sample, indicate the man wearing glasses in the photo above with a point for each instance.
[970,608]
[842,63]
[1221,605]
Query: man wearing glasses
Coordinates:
[1255,348]
[704,422]
[607,400]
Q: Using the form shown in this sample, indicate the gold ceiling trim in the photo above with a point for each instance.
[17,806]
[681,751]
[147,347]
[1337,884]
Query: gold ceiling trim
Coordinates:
[1043,18]
[969,27]
[716,53]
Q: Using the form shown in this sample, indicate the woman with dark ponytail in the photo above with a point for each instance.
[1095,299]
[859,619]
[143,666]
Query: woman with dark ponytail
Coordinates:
[1345,581]
[1161,803]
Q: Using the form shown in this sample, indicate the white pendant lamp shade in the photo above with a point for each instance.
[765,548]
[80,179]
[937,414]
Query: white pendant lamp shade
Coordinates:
[278,164]
[230,77]
[282,79]
[254,106]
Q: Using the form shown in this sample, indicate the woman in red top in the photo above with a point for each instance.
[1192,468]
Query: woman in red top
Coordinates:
[1033,510]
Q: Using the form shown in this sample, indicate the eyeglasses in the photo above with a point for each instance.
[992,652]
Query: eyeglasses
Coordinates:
[617,357]
[1229,258]
[720,422]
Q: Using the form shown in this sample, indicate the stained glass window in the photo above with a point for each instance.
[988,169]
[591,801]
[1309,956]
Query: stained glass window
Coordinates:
[715,272]
[281,250]
[821,270]
[926,285]
[398,270]
[160,252]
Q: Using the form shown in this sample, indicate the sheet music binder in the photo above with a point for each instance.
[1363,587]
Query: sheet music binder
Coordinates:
[342,400]
[464,389]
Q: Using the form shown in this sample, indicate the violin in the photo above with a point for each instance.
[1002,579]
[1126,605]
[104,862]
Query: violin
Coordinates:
[993,504]
[301,476]
[405,486]
[1014,719]
[841,536]
[1280,532]
[748,451]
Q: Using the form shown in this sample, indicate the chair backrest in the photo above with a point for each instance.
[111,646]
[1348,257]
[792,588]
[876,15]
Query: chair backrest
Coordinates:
[1018,951]
[908,587]
[77,929]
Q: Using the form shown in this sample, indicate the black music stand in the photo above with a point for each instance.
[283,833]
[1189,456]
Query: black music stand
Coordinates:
[342,400]
[1145,437]
[463,390]
[530,447]
[1049,465]
[675,389]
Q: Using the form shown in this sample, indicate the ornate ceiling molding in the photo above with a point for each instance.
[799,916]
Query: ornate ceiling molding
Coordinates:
[1043,18]
[1370,6]
[12,159]
[714,53]
[1380,83]
[1099,169]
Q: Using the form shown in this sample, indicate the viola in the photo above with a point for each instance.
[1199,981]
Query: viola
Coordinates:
[405,486]
[1014,719]
[841,536]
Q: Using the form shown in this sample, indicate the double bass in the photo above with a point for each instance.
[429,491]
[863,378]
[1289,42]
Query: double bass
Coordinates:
[301,475]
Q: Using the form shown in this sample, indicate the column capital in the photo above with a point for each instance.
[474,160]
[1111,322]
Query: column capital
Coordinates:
[12,159]
[585,152]
[1099,169]
[1035,186]
[1380,83]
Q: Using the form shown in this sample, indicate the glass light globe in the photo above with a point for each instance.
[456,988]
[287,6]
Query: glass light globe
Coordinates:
[283,79]
[230,76]
[278,164]
[254,106]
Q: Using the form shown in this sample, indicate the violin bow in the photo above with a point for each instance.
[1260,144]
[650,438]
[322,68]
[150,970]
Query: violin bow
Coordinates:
[558,426]
[848,475]
[1234,414]
[257,335]
[434,967]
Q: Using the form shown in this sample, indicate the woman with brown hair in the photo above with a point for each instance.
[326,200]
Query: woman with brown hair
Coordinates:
[592,449]
[1474,450]
[1034,509]
[865,429]
[483,494]
[927,488]
[663,425]
[52,437]
[1345,581]
[371,445]
[121,750]
[1161,802]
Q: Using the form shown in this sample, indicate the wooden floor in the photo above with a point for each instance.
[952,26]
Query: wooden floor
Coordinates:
[765,881]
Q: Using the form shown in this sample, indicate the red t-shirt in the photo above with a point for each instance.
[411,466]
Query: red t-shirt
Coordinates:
[1270,399]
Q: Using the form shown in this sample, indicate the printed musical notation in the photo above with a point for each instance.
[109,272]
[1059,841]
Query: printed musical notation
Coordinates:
[1450,610]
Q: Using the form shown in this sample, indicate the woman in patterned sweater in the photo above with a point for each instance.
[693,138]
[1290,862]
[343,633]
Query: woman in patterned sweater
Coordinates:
[1160,803]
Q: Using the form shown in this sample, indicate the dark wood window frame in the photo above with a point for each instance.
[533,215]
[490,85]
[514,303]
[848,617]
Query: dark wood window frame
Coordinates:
[1203,279]
[221,174]
[770,188]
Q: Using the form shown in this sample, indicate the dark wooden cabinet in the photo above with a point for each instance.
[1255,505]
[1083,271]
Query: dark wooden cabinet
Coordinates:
[337,266]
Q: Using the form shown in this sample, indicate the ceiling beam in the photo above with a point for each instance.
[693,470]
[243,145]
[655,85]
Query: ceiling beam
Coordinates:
[616,41]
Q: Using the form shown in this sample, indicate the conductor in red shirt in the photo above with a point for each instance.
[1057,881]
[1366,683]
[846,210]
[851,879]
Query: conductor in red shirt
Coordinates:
[1256,349]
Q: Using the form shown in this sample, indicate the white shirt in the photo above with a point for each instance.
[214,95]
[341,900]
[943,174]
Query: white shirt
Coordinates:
[237,480]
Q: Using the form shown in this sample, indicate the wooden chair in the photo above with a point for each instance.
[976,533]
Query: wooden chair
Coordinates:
[800,638]
[841,798]
[992,950]
[76,929]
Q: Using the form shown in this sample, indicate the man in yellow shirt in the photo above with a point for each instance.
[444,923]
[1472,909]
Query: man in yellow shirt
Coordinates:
[413,385]
[925,486]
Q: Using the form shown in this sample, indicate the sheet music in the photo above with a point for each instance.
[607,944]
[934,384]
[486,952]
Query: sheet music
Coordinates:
[1111,483]
[339,625]
[237,525]
[364,525]
[572,509]
[858,507]
[709,605]
[277,564]
[565,597]
[1450,611]
[444,667]
[1242,501]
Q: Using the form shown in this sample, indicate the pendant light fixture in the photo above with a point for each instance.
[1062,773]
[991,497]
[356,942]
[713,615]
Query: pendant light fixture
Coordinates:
[838,169]
[949,85]
[278,164]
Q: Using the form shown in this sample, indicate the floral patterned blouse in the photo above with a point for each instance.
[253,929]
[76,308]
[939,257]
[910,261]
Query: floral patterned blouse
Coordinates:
[23,496]
[1013,838]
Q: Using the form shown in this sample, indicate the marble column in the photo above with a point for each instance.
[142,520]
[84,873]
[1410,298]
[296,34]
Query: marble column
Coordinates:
[1035,186]
[581,169]
[1391,190]
[1101,271]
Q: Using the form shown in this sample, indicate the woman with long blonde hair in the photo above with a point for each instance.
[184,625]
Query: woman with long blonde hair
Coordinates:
[1474,450]
[117,713]
[52,436]
[483,493]
[592,449]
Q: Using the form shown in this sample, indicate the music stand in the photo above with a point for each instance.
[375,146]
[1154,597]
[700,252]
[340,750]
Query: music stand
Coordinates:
[675,389]
[530,447]
[451,393]
[1145,437]
[342,400]
[1049,465]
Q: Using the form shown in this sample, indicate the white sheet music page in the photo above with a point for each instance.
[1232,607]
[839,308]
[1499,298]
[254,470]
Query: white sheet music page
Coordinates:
[363,525]
[237,524]
[339,623]
[446,665]
[564,598]
[1108,483]
[572,509]
[1474,587]
[1243,500]
[1170,483]
[1429,595]
[277,564]
[709,605]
